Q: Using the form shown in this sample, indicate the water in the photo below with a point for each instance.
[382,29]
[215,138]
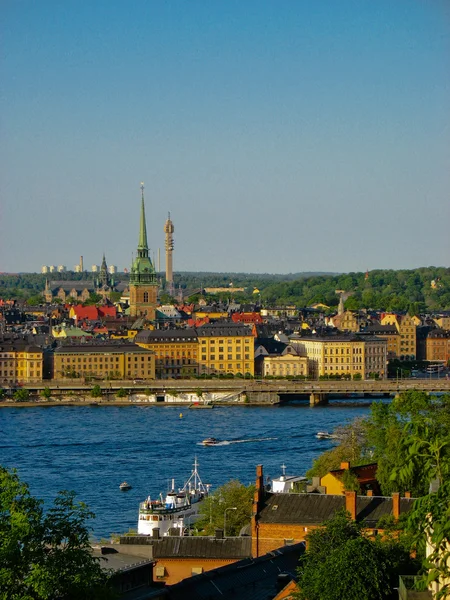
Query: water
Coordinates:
[93,449]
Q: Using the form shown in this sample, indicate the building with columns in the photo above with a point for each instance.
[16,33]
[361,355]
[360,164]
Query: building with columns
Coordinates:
[143,282]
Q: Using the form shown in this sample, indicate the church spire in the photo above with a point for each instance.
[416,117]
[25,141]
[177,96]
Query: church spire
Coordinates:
[142,244]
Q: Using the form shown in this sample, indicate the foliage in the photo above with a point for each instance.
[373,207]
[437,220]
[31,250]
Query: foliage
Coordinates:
[35,300]
[96,391]
[21,395]
[46,556]
[350,449]
[93,299]
[231,494]
[350,481]
[428,447]
[2,393]
[403,290]
[121,393]
[46,393]
[341,562]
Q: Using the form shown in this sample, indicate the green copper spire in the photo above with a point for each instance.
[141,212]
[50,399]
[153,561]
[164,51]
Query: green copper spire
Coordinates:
[142,269]
[143,244]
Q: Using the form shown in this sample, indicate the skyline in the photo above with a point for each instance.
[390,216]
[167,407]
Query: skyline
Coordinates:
[282,138]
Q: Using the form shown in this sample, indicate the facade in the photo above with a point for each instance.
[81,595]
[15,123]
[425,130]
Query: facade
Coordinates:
[143,285]
[390,334]
[226,348]
[103,361]
[20,362]
[437,346]
[77,290]
[333,483]
[407,330]
[176,351]
[344,355]
[287,364]
[346,321]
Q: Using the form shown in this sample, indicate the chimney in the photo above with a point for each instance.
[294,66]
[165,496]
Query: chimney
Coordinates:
[345,465]
[155,533]
[396,505]
[370,493]
[350,504]
[259,492]
[219,534]
[407,494]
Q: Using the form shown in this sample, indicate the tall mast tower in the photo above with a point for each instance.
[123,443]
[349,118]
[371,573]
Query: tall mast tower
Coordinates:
[168,230]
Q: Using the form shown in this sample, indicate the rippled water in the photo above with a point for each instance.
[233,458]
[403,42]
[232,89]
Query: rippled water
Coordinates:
[93,449]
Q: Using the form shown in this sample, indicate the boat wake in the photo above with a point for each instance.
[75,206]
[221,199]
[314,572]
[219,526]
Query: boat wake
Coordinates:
[229,442]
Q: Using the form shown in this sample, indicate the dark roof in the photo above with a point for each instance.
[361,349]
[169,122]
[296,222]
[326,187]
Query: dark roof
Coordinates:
[101,348]
[249,579]
[147,336]
[381,329]
[225,329]
[71,285]
[362,472]
[272,346]
[317,508]
[202,547]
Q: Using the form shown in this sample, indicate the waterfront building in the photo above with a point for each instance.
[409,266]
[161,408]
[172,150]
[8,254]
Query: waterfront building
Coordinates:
[226,348]
[176,351]
[103,361]
[390,334]
[143,285]
[347,355]
[20,362]
[407,330]
[288,363]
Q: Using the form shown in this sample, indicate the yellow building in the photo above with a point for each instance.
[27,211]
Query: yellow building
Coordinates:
[443,322]
[286,364]
[103,361]
[347,321]
[226,348]
[20,362]
[210,313]
[407,330]
[176,351]
[345,355]
[333,482]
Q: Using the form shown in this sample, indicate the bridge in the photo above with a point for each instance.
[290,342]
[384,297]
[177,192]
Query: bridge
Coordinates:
[255,391]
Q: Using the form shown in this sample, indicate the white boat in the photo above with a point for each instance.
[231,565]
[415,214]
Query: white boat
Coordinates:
[210,442]
[177,511]
[324,435]
[124,486]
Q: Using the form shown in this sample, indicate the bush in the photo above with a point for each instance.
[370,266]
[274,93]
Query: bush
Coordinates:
[121,393]
[46,393]
[96,391]
[21,395]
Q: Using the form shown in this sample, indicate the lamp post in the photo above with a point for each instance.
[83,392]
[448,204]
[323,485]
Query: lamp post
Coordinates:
[225,519]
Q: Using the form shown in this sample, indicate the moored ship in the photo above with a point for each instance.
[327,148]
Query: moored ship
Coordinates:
[177,511]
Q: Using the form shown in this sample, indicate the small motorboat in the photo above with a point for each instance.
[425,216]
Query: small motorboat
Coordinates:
[324,435]
[210,442]
[124,486]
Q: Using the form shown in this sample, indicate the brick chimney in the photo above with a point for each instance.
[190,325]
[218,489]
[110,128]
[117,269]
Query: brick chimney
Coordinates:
[370,493]
[345,465]
[258,500]
[350,504]
[396,505]
[407,494]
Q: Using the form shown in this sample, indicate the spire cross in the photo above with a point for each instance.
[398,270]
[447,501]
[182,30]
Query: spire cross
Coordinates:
[142,190]
[283,468]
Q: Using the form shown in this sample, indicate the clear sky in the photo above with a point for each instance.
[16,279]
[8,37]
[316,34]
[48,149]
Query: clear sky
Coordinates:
[282,136]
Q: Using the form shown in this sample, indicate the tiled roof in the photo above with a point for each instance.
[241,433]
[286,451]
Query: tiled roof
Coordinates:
[316,508]
[249,579]
[147,336]
[202,547]
[225,329]
[100,348]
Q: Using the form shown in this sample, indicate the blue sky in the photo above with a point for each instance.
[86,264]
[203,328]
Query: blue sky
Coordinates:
[282,136]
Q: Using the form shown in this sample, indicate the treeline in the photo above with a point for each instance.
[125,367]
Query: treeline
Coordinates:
[416,290]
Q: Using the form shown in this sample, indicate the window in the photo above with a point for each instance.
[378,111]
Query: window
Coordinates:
[145,296]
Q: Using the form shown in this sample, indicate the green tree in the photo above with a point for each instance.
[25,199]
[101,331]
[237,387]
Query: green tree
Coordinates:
[96,391]
[121,393]
[46,393]
[341,562]
[46,556]
[429,521]
[21,395]
[232,494]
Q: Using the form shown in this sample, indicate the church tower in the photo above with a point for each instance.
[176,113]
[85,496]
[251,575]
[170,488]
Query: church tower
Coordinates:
[168,230]
[143,283]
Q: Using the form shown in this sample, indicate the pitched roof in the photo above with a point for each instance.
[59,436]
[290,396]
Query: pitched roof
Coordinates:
[316,508]
[196,547]
[249,579]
